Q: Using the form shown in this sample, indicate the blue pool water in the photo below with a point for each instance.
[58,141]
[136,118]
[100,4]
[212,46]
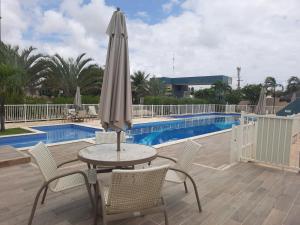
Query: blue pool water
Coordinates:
[144,133]
[160,132]
[52,134]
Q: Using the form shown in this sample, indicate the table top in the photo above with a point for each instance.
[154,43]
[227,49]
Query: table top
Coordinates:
[107,154]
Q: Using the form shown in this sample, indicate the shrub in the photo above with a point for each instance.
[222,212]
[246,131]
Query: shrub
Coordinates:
[164,100]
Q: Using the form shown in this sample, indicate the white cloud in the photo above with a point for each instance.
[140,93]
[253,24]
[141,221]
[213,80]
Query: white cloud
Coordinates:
[208,37]
[167,7]
[142,14]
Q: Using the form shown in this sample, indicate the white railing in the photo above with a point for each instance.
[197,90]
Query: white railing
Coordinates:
[36,112]
[267,139]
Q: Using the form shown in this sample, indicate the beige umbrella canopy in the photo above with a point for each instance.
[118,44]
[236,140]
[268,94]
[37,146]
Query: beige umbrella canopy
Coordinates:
[261,105]
[77,99]
[294,97]
[116,100]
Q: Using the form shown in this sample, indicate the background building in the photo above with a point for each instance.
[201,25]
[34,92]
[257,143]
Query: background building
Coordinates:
[179,86]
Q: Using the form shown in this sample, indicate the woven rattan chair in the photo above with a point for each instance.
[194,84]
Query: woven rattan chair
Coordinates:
[109,137]
[179,172]
[133,193]
[56,181]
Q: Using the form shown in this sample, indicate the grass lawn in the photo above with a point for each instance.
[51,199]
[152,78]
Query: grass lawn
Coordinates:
[11,131]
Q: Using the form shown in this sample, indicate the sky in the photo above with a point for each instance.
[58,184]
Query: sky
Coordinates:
[205,37]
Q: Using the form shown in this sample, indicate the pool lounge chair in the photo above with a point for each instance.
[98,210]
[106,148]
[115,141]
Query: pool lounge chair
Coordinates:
[179,172]
[80,116]
[133,193]
[56,181]
[92,112]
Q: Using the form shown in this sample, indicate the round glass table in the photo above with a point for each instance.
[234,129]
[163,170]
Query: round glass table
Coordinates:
[107,155]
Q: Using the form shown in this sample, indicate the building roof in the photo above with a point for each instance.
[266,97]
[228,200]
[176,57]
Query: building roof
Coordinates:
[197,80]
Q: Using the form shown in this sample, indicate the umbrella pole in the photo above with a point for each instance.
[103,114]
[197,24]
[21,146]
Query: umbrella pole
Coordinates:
[118,140]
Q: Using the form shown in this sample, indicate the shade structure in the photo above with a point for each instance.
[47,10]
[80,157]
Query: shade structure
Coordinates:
[116,99]
[77,99]
[261,105]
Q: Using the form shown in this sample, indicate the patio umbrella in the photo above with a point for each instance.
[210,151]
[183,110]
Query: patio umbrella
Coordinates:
[116,100]
[294,96]
[77,99]
[261,105]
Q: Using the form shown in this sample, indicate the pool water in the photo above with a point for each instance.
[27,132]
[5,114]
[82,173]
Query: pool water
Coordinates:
[145,133]
[161,132]
[51,134]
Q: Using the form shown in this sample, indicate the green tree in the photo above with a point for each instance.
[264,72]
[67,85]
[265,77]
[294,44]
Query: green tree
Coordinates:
[30,66]
[10,85]
[140,86]
[156,87]
[233,97]
[293,84]
[67,74]
[220,89]
[251,93]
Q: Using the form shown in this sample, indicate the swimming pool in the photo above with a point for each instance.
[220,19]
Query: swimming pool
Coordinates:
[161,132]
[50,134]
[144,133]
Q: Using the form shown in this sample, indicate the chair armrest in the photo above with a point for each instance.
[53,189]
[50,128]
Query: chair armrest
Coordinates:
[63,163]
[166,157]
[68,174]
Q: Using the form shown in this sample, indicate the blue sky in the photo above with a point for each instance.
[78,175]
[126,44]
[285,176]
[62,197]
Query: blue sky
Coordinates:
[153,8]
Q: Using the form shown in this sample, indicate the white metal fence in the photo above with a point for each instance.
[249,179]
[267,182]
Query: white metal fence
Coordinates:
[267,139]
[36,112]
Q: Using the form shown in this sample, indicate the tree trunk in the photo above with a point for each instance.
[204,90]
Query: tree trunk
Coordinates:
[2,113]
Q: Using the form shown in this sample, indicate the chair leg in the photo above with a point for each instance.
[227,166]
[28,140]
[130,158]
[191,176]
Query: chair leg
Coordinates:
[165,212]
[196,193]
[44,195]
[35,203]
[185,187]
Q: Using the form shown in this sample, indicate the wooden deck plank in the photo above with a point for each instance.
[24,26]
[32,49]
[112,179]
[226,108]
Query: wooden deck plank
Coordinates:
[243,194]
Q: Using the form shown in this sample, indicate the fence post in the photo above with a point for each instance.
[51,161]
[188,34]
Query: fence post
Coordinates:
[192,108]
[25,112]
[152,113]
[47,111]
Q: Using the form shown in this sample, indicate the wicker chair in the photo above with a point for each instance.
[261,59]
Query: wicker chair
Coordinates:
[108,137]
[56,181]
[178,173]
[133,193]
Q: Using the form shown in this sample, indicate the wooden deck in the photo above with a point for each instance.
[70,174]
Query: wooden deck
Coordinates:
[241,194]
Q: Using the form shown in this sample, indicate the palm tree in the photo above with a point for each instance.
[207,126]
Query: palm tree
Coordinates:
[139,85]
[220,88]
[30,66]
[10,84]
[156,87]
[293,84]
[66,75]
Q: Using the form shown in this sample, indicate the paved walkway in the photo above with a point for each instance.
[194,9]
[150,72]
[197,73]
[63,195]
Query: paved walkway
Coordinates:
[241,194]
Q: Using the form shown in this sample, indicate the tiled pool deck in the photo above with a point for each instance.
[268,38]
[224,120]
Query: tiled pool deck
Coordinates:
[240,194]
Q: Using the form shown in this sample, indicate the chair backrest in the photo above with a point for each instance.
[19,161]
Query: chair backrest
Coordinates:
[109,137]
[72,111]
[81,113]
[92,111]
[186,156]
[134,190]
[44,160]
